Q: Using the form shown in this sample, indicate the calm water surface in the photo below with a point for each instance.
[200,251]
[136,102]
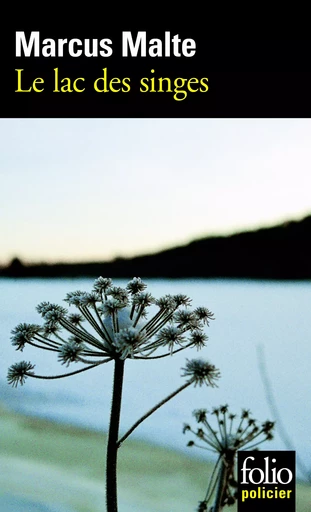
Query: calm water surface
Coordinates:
[273,315]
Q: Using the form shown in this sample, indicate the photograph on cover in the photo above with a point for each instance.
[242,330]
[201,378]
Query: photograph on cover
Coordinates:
[154,309]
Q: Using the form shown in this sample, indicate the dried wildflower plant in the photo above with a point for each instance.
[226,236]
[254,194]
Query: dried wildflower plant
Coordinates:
[232,433]
[117,328]
[112,324]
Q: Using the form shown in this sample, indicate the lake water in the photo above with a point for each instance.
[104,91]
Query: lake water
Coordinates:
[248,314]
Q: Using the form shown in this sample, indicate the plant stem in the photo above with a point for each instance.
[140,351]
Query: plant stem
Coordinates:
[112,448]
[220,487]
[151,411]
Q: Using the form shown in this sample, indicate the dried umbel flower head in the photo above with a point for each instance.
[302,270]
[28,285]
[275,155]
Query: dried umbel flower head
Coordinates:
[110,323]
[18,372]
[231,434]
[201,372]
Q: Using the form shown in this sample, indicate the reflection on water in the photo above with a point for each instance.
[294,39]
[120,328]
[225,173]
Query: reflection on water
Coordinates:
[247,314]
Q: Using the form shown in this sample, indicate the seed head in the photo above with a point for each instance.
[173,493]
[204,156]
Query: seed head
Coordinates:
[102,284]
[24,333]
[70,352]
[201,372]
[18,373]
[204,314]
[136,285]
[127,340]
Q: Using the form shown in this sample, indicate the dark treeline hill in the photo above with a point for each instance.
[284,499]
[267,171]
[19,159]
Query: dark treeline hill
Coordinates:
[280,252]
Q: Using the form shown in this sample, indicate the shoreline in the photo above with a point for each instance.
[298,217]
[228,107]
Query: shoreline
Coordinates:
[47,466]
[62,466]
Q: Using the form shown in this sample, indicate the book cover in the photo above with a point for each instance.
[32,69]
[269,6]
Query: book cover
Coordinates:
[155,227]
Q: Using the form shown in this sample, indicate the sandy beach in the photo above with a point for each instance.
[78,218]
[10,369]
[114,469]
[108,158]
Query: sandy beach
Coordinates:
[46,467]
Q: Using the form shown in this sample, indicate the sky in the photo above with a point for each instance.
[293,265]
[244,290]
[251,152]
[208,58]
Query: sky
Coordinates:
[95,189]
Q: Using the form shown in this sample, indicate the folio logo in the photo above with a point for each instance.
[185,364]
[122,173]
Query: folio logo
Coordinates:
[266,481]
[264,475]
